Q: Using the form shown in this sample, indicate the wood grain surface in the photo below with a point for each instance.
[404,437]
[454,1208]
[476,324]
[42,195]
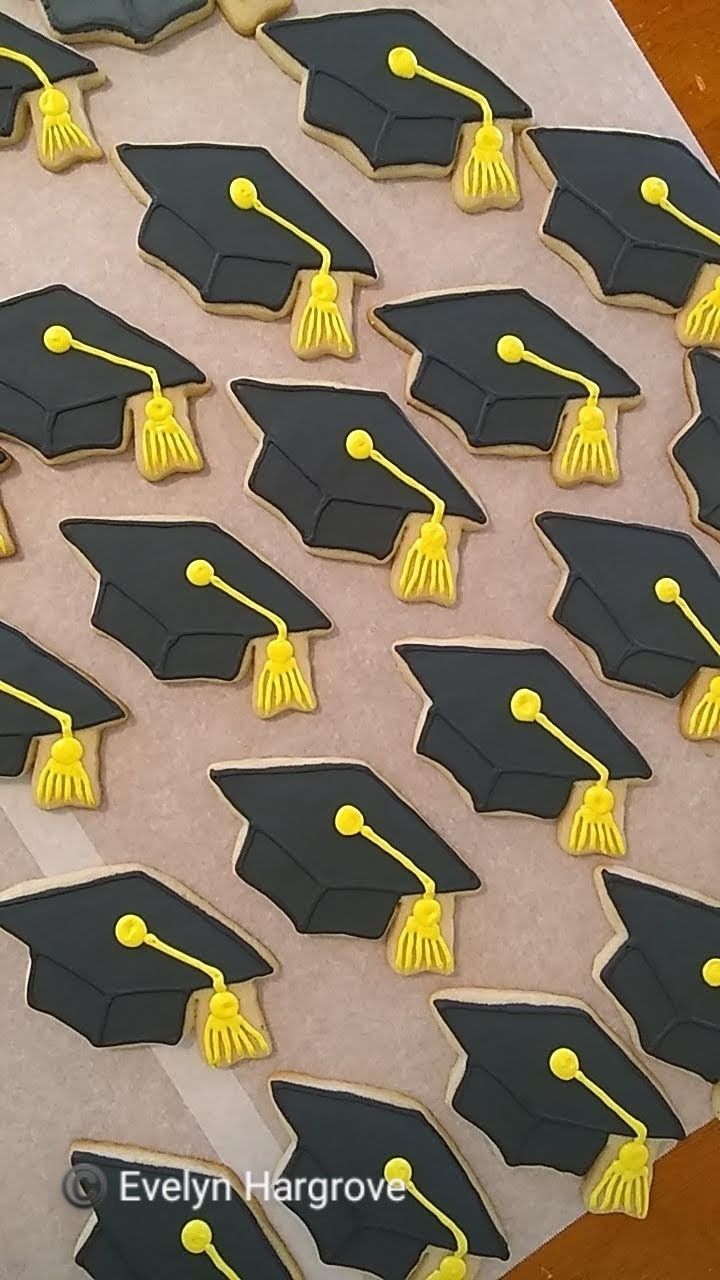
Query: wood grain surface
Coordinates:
[681,40]
[681,1236]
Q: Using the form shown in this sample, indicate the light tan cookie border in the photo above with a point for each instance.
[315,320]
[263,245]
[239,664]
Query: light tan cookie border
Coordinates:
[615,404]
[300,640]
[639,301]
[348,282]
[198,1001]
[456,525]
[697,682]
[510,129]
[432,1255]
[446,900]
[486,996]
[620,786]
[688,488]
[137,1155]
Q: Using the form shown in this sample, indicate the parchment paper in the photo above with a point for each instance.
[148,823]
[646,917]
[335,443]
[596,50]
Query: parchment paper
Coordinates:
[335,1009]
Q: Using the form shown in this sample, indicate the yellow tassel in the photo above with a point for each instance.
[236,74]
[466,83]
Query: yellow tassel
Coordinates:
[196,1237]
[594,829]
[453,1265]
[421,947]
[281,683]
[228,1037]
[59,131]
[322,321]
[588,452]
[705,718]
[624,1187]
[487,171]
[166,446]
[427,570]
[64,779]
[703,322]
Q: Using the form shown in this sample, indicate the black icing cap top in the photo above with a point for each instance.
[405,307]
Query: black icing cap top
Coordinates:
[462,377]
[295,855]
[695,450]
[347,1134]
[353,93]
[664,969]
[232,255]
[304,470]
[140,21]
[62,404]
[509,1091]
[116,993]
[157,1237]
[504,763]
[16,79]
[183,629]
[32,670]
[602,210]
[621,597]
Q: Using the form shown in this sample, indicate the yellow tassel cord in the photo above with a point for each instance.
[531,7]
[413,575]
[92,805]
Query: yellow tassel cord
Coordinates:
[427,571]
[166,447]
[703,322]
[197,1237]
[705,718]
[453,1265]
[59,131]
[487,172]
[594,829]
[421,947]
[282,683]
[227,1036]
[624,1186]
[588,453]
[64,779]
[321,321]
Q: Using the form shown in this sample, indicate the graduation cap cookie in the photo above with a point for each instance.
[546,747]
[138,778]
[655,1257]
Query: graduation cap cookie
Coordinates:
[663,968]
[126,956]
[137,1235]
[394,95]
[423,1207]
[340,852]
[144,23]
[243,236]
[550,1085]
[51,721]
[639,217]
[518,734]
[7,542]
[510,376]
[77,381]
[193,603]
[353,477]
[46,81]
[695,451]
[646,603]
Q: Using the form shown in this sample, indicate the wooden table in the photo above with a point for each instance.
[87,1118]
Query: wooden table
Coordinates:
[681,40]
